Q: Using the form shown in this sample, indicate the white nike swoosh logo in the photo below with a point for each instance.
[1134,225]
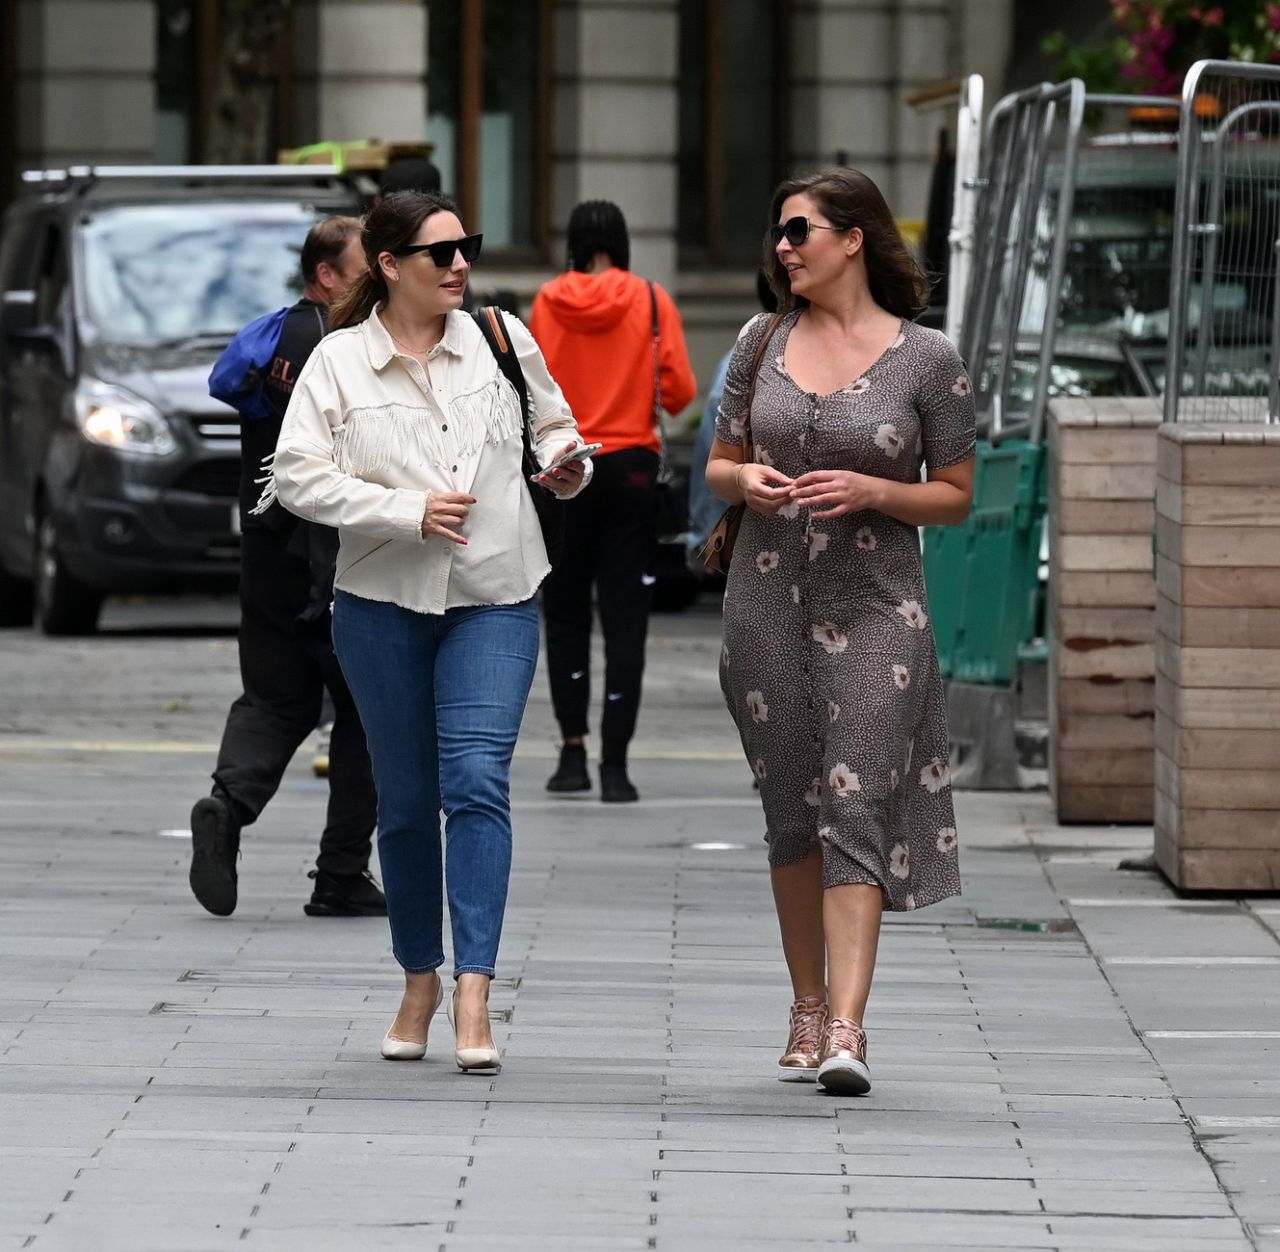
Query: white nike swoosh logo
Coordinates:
[578,673]
[647,580]
[615,695]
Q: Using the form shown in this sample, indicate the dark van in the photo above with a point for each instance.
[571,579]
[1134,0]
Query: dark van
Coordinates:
[119,288]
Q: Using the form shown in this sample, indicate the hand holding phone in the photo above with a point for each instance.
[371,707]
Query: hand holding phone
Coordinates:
[579,452]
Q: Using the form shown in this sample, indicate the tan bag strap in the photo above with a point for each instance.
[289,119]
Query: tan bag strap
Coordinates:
[749,443]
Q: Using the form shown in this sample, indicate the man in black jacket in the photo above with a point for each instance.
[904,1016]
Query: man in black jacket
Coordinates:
[286,653]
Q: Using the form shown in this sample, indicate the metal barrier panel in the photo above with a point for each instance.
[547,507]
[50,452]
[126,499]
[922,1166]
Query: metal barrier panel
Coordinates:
[1224,306]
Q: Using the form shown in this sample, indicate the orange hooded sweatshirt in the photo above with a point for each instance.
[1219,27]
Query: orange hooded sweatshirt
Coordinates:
[596,333]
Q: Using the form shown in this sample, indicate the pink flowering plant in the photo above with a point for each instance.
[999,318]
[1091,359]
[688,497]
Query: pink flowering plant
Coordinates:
[1150,44]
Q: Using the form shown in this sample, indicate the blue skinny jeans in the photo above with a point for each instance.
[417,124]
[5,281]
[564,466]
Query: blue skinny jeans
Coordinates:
[441,697]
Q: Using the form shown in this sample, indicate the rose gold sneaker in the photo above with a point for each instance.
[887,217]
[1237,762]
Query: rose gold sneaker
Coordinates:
[842,1068]
[799,1063]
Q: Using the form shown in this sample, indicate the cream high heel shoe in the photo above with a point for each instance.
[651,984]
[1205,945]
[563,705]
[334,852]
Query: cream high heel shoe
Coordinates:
[472,1060]
[394,1049]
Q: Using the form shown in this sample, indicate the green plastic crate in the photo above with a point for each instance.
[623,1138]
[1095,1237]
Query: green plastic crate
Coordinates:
[985,597]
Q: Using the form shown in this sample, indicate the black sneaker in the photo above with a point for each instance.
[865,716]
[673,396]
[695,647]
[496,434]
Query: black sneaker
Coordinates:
[215,844]
[615,786]
[345,895]
[571,775]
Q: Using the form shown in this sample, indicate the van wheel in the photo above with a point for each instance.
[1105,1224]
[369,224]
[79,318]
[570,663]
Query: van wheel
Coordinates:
[63,604]
[15,600]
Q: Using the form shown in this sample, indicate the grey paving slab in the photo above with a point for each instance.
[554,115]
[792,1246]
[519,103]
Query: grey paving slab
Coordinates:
[1051,1065]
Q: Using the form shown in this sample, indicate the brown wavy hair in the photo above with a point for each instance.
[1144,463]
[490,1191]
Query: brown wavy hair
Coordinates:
[391,224]
[848,198]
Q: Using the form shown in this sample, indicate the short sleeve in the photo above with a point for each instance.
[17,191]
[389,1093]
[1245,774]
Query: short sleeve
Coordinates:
[732,416]
[945,404]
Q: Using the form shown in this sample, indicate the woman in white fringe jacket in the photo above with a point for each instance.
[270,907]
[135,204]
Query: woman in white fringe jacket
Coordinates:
[403,433]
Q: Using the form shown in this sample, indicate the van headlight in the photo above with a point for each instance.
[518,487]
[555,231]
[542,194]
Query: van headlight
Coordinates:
[116,418]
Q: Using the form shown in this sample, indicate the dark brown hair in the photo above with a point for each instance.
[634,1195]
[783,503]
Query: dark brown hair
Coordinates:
[848,198]
[326,241]
[390,225]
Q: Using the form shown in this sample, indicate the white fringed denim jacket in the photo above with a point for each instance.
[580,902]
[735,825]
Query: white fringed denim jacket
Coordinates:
[369,434]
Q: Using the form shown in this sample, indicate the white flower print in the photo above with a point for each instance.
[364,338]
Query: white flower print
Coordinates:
[866,539]
[826,833]
[790,511]
[816,541]
[795,594]
[737,427]
[901,676]
[831,637]
[762,771]
[813,793]
[724,654]
[947,839]
[899,341]
[913,614]
[767,562]
[936,775]
[833,711]
[909,903]
[962,386]
[756,706]
[764,458]
[858,386]
[844,782]
[900,860]
[893,780]
[889,441]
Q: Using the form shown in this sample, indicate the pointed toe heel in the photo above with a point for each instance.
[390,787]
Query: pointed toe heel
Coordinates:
[394,1049]
[472,1060]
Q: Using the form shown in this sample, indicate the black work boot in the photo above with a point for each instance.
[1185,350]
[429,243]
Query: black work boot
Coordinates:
[345,895]
[615,786]
[571,774]
[215,844]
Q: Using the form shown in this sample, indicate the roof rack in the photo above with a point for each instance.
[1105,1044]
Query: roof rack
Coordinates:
[184,173]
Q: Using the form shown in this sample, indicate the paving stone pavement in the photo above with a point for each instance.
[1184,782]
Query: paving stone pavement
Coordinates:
[1067,1057]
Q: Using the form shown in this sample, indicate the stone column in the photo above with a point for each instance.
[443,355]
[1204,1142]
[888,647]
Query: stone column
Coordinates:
[85,86]
[1218,657]
[1102,470]
[363,69]
[616,133]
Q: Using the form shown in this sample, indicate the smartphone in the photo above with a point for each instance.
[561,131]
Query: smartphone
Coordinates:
[580,453]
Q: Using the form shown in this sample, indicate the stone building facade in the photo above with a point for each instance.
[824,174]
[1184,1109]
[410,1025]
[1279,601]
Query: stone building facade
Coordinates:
[683,111]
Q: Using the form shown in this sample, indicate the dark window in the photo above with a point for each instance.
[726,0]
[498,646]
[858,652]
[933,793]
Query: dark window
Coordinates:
[488,93]
[734,124]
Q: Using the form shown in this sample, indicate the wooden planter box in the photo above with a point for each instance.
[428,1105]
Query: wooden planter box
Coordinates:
[1102,595]
[1218,657]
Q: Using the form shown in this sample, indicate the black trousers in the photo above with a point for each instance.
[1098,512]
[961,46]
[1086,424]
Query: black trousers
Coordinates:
[610,542]
[286,664]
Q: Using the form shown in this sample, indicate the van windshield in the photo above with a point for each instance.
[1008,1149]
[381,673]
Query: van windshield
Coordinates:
[158,274]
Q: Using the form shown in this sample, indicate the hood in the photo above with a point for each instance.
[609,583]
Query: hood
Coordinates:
[591,303]
[175,380]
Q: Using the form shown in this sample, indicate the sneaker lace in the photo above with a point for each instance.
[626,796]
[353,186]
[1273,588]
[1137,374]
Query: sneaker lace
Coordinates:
[808,1016]
[846,1036]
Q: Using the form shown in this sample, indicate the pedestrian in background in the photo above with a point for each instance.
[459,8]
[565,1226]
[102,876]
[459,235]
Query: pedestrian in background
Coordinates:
[595,325]
[286,651]
[829,665]
[403,434]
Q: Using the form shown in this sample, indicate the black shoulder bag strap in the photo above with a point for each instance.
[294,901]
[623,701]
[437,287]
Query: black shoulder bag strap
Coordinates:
[550,513]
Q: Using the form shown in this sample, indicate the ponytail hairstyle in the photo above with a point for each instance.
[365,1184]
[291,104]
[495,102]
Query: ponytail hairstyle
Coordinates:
[598,226]
[848,198]
[391,225]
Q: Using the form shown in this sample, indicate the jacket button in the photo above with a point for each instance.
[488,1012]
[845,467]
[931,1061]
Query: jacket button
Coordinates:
[444,425]
[455,469]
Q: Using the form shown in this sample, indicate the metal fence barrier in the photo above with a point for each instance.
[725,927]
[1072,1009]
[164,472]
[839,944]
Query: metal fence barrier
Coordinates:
[1224,306]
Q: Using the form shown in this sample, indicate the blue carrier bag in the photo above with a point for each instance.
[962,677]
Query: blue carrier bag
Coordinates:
[239,376]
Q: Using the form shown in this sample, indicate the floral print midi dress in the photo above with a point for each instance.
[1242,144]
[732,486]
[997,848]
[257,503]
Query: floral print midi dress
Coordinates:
[829,665]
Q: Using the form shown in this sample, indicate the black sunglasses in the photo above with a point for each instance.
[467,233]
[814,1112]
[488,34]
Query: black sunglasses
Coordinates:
[442,252]
[796,230]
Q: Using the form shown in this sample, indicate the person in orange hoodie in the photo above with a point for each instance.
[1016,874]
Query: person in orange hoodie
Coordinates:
[594,325]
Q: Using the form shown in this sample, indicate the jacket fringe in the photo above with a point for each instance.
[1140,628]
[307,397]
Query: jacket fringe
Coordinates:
[270,490]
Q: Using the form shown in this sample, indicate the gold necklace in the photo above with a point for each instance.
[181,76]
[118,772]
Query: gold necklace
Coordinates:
[405,346]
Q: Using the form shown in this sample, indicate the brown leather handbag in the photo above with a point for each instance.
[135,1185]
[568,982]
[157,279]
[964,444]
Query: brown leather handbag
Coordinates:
[717,553]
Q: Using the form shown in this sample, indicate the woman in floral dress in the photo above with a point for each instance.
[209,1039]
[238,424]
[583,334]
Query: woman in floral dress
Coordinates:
[829,665]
